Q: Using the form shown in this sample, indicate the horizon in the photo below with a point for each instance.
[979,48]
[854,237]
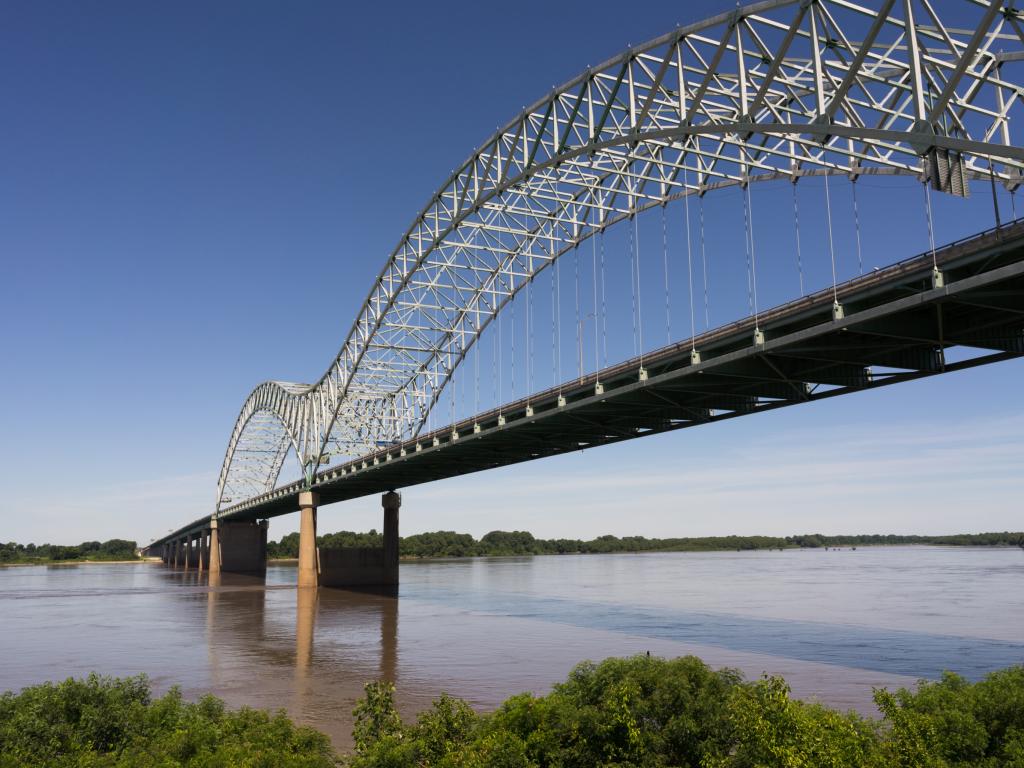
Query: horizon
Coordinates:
[594,538]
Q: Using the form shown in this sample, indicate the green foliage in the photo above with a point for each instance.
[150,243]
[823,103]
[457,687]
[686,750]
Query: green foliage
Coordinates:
[114,549]
[769,728]
[503,543]
[957,724]
[640,712]
[286,548]
[111,723]
[438,737]
[439,544]
[626,712]
[375,716]
[651,713]
[343,539]
[509,543]
[1003,539]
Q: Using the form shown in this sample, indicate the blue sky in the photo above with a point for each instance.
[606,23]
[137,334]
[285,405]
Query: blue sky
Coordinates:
[195,198]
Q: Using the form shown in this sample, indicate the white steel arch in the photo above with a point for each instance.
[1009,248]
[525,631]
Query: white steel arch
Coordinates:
[781,88]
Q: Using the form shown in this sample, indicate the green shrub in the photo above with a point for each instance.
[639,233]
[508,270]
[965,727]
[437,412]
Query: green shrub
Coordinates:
[107,722]
[651,713]
[957,724]
[641,712]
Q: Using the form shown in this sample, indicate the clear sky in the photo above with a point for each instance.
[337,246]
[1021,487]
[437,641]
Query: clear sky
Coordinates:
[195,197]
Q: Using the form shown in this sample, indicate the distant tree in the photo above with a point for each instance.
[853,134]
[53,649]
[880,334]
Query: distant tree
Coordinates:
[65,553]
[287,548]
[499,543]
[508,543]
[121,549]
[346,539]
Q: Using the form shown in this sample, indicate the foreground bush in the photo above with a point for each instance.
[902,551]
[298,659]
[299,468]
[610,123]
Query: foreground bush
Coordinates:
[648,712]
[106,722]
[642,712]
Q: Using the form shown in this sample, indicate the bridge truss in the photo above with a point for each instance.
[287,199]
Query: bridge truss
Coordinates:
[776,90]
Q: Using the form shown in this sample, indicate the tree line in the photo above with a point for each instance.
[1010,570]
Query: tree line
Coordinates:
[639,712]
[114,549]
[504,543]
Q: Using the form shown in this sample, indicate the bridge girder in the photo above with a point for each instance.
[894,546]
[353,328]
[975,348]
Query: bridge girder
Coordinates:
[778,89]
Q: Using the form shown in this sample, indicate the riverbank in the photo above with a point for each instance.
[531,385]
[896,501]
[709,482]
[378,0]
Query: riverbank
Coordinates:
[110,551]
[414,558]
[138,561]
[449,544]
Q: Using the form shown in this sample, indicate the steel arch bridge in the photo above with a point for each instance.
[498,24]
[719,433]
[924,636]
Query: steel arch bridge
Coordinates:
[779,89]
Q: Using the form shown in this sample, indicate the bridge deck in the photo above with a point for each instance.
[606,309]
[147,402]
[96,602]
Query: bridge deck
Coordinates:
[896,327]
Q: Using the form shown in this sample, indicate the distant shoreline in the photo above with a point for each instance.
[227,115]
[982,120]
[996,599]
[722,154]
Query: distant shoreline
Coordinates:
[451,544]
[413,558]
[140,561]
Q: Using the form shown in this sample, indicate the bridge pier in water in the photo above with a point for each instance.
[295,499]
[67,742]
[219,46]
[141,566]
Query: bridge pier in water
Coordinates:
[309,565]
[214,563]
[190,552]
[238,547]
[348,566]
[203,554]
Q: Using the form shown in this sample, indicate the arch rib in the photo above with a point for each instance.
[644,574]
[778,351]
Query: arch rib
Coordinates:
[778,88]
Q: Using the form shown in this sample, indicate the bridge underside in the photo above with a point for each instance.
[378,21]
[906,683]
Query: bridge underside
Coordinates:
[897,324]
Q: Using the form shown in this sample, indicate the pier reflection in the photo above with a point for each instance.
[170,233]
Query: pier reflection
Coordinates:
[314,649]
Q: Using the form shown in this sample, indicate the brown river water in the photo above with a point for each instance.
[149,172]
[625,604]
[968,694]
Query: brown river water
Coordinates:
[834,623]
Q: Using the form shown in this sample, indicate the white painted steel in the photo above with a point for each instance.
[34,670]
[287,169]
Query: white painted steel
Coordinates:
[782,88]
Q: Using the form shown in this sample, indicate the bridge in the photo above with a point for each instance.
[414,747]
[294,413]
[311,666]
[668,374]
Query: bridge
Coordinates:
[786,92]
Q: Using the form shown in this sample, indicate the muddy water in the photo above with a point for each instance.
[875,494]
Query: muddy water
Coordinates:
[834,623]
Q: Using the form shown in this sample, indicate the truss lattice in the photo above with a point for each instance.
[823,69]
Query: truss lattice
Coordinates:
[781,88]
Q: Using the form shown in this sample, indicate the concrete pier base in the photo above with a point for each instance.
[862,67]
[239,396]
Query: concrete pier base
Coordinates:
[243,547]
[190,552]
[366,566]
[309,561]
[203,560]
[214,549]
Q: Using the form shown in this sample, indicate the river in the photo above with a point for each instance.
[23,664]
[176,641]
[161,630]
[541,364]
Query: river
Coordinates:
[834,623]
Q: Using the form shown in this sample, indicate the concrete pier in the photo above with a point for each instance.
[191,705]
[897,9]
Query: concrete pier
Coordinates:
[214,549]
[243,546]
[366,566]
[309,565]
[203,561]
[391,502]
[240,547]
